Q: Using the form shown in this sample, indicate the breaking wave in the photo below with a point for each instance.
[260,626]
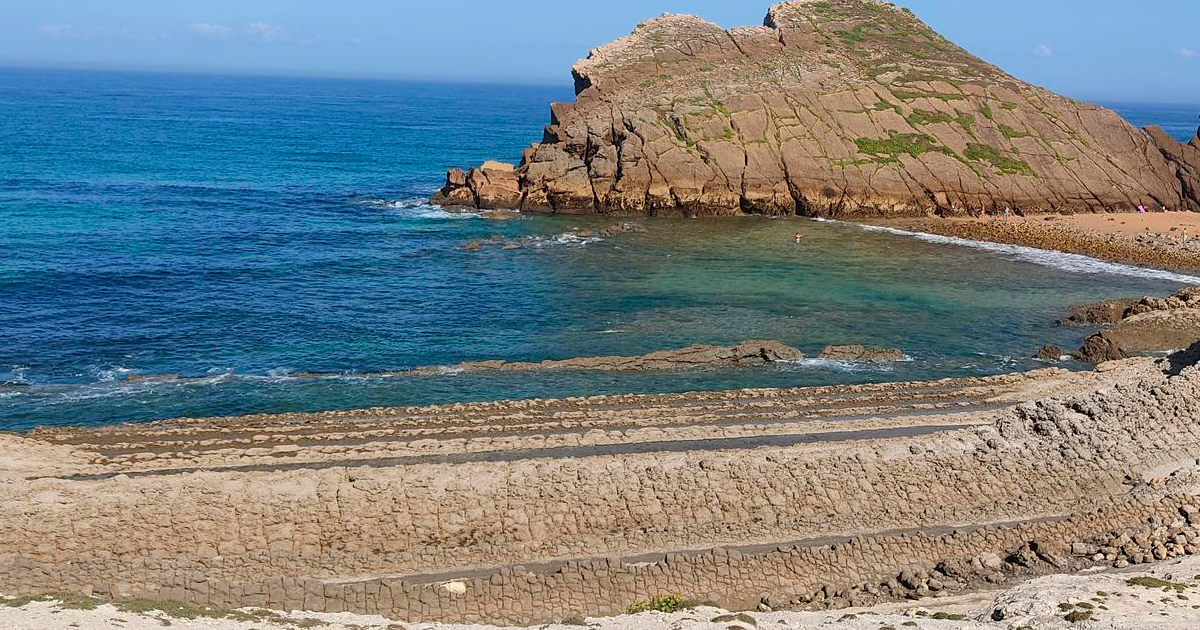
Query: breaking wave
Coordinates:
[419,209]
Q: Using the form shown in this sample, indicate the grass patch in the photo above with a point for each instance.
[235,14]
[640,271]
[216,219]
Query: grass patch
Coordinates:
[1011,133]
[920,117]
[659,603]
[65,600]
[987,112]
[854,36]
[883,105]
[1009,106]
[1079,616]
[943,616]
[1005,164]
[1153,582]
[906,95]
[897,144]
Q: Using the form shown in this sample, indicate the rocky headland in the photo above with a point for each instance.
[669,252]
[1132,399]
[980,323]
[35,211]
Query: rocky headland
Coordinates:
[835,108]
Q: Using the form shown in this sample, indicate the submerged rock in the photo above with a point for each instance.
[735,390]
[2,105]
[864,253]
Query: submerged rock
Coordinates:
[861,353]
[848,108]
[748,353]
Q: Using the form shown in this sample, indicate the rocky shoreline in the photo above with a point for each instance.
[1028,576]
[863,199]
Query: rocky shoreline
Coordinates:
[538,511]
[1151,250]
[1147,326]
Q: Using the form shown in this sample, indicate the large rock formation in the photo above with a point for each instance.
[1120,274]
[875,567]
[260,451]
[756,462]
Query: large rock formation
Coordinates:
[833,108]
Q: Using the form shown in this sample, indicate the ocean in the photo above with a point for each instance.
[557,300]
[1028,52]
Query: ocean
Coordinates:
[189,245]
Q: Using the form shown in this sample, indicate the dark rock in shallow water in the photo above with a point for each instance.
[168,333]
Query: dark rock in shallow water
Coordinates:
[849,108]
[1100,349]
[1107,312]
[1049,352]
[861,353]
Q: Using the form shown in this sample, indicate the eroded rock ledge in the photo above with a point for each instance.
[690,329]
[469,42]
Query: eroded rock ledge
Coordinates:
[845,108]
[1149,325]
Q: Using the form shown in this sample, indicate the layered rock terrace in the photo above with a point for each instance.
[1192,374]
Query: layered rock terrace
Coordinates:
[531,511]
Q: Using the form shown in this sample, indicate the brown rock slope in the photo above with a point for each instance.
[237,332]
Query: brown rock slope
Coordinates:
[845,108]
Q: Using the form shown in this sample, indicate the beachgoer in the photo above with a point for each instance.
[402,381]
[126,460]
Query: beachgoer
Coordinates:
[1141,209]
[1007,212]
[799,238]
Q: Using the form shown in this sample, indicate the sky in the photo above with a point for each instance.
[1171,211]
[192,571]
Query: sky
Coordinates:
[1138,51]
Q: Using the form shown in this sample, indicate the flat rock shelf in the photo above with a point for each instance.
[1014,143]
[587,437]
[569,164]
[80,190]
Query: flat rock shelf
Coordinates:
[536,511]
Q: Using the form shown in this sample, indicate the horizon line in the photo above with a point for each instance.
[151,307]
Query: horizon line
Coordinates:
[451,80]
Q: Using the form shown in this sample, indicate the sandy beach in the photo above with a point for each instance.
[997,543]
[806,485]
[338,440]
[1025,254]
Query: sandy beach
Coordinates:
[1161,240]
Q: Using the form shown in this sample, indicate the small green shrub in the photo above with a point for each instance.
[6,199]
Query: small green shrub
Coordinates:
[659,603]
[1079,616]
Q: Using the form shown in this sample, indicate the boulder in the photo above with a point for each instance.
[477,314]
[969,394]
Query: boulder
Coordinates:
[1099,349]
[1050,352]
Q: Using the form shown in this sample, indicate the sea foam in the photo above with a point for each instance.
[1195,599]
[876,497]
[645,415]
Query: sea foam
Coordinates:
[1075,263]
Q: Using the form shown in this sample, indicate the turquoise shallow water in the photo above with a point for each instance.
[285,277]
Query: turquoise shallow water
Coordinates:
[239,230]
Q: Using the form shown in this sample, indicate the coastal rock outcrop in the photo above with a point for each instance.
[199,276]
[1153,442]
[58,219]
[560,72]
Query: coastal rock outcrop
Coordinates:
[747,353]
[844,108]
[1139,327]
[863,354]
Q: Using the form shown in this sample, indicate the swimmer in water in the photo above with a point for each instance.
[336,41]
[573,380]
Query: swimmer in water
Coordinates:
[799,238]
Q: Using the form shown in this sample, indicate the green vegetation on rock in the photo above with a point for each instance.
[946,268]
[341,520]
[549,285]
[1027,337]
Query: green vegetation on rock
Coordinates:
[993,156]
[1011,133]
[910,95]
[897,144]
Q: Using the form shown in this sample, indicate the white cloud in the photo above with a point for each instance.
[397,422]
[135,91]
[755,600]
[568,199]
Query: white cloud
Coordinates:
[57,31]
[1043,51]
[212,31]
[266,32]
[1186,53]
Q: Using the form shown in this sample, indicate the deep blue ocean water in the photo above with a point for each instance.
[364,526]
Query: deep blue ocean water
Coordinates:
[236,231]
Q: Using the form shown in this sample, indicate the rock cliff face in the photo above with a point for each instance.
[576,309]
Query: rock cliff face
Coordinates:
[832,108]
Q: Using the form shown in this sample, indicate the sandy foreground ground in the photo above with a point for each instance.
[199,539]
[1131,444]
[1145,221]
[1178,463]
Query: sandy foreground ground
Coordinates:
[1165,596]
[1162,223]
